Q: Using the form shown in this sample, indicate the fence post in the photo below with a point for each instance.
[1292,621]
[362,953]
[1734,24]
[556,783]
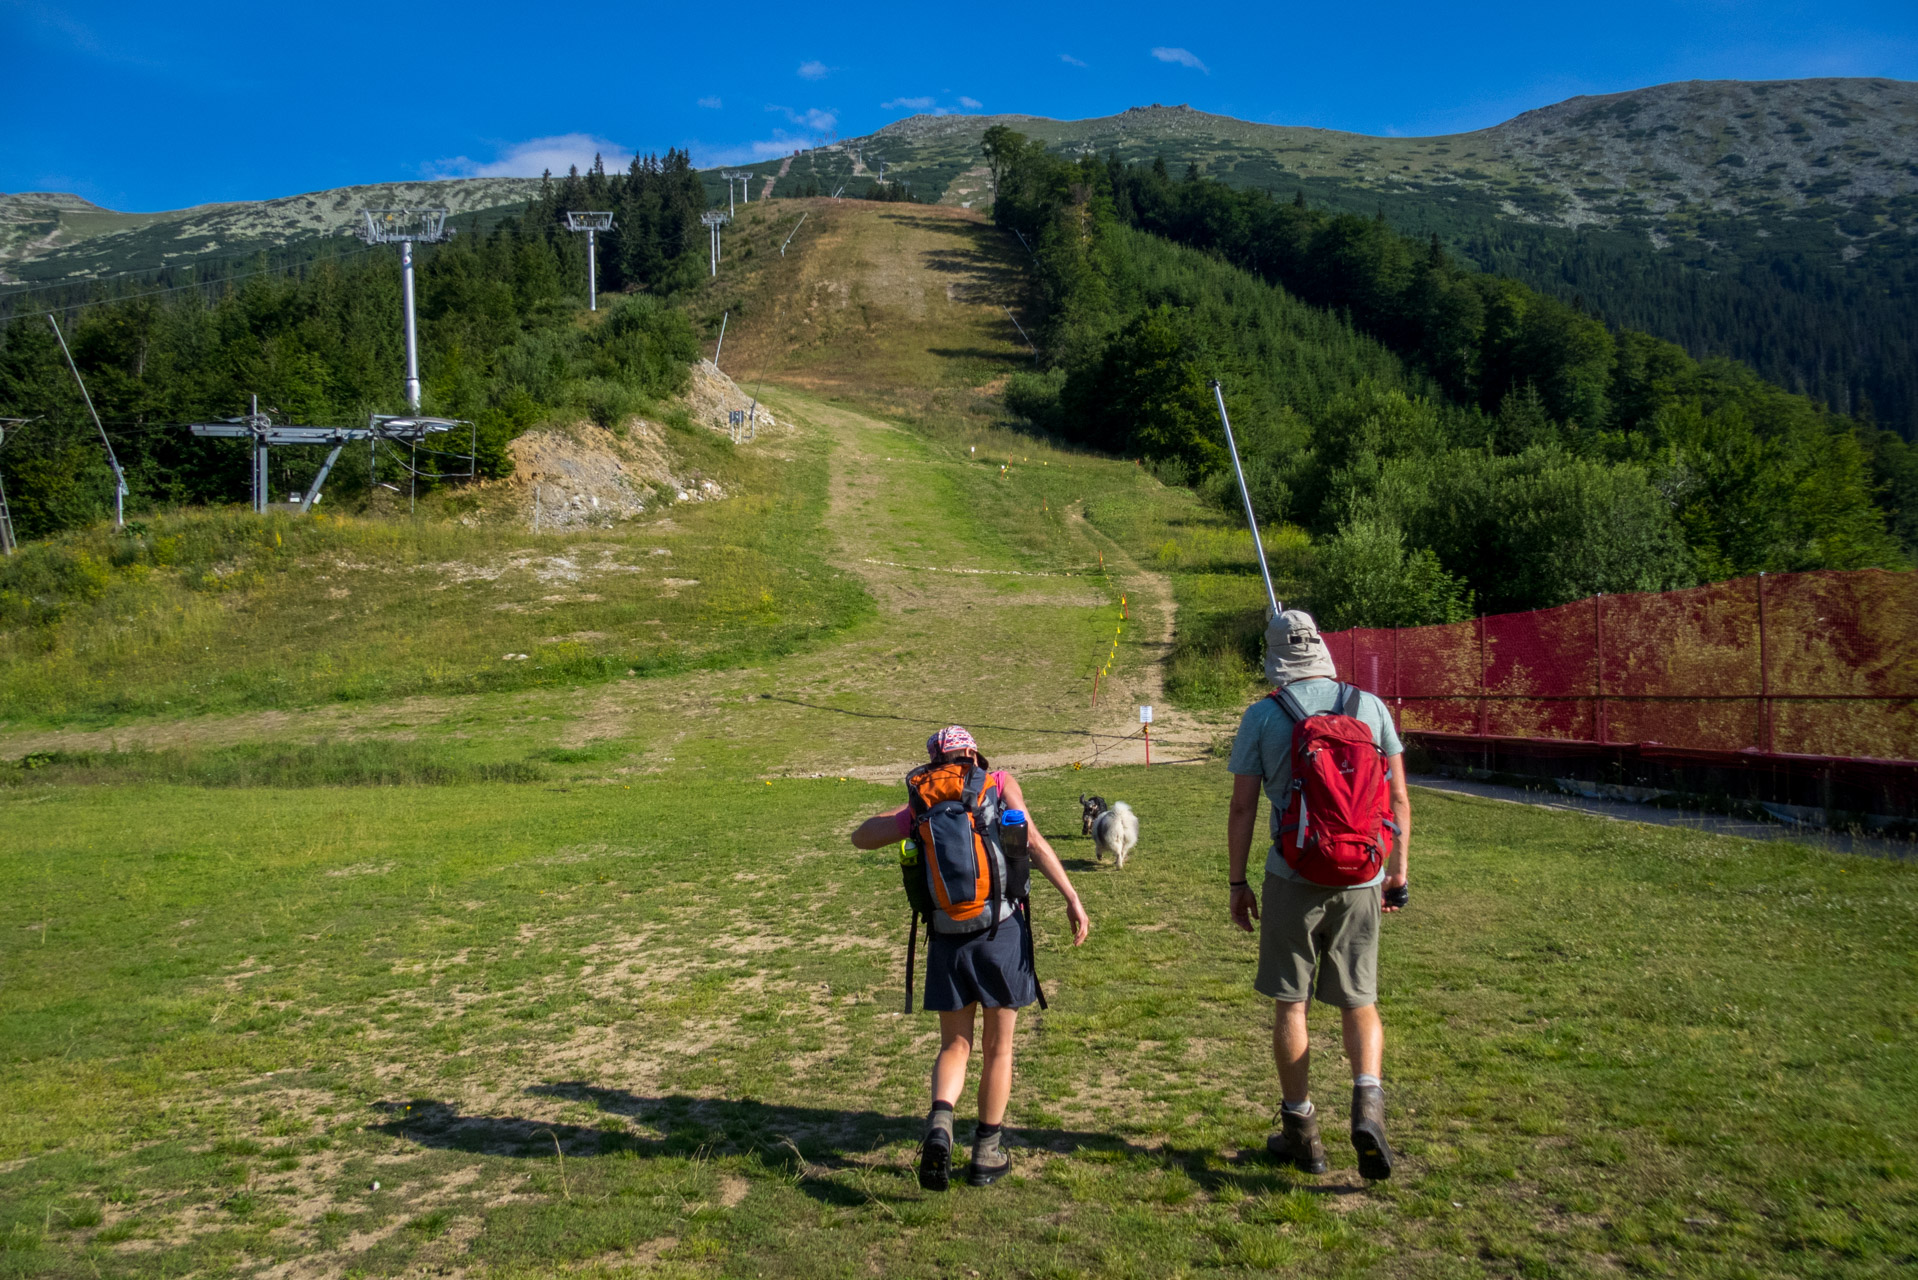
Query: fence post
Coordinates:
[1485,749]
[1598,663]
[1764,674]
[1398,690]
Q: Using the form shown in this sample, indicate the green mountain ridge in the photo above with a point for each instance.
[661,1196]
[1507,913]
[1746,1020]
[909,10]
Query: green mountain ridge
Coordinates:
[1774,222]
[1609,160]
[57,237]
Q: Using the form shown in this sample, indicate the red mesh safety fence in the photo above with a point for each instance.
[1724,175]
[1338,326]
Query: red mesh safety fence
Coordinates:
[1822,664]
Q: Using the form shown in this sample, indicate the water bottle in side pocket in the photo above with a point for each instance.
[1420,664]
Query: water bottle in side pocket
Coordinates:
[1014,842]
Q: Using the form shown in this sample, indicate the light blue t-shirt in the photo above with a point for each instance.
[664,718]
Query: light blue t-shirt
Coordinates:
[1264,748]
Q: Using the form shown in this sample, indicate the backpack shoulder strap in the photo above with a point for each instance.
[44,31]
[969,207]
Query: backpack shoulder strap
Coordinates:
[1348,699]
[976,780]
[1287,700]
[913,799]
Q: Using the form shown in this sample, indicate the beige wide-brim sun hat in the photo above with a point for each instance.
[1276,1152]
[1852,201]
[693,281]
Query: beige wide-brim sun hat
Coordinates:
[1294,650]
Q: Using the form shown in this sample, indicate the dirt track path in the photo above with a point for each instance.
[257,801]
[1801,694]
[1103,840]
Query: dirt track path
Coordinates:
[923,562]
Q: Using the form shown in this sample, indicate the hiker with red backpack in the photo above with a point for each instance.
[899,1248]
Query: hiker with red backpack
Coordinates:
[967,846]
[1330,761]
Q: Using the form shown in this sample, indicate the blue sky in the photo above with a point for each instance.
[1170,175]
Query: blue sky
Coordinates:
[160,105]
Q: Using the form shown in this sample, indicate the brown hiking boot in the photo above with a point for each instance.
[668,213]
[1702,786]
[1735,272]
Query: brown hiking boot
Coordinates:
[1297,1142]
[1368,1132]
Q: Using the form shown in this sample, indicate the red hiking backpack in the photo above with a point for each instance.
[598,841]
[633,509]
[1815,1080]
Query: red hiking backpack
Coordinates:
[1337,813]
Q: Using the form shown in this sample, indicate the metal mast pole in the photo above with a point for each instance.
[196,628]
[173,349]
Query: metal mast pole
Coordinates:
[713,218]
[592,223]
[1258,546]
[259,456]
[119,476]
[412,334]
[8,542]
[403,227]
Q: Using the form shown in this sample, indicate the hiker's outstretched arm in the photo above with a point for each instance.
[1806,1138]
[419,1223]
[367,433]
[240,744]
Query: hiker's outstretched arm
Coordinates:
[1049,865]
[877,831]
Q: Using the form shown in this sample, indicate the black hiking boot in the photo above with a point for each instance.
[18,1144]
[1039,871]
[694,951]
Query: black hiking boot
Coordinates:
[984,1175]
[1368,1132]
[935,1160]
[989,1160]
[1297,1142]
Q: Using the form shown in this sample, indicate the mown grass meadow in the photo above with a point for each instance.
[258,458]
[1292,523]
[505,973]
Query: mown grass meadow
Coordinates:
[599,1024]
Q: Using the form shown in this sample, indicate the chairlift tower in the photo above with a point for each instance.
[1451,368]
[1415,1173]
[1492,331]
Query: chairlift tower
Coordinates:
[592,224]
[714,220]
[744,178]
[405,227]
[264,432]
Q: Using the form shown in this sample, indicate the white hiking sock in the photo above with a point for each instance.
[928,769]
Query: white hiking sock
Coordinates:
[1363,1081]
[1298,1108]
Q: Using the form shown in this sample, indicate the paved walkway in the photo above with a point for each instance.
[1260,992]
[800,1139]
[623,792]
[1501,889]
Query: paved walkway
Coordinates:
[1711,823]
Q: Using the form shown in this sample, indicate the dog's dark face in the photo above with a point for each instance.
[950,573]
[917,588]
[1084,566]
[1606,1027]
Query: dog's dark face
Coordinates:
[1089,810]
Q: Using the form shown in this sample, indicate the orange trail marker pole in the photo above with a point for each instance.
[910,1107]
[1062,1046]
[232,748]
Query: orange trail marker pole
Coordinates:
[1095,689]
[1148,746]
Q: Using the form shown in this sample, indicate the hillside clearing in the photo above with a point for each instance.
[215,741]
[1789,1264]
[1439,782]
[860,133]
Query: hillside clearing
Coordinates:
[561,970]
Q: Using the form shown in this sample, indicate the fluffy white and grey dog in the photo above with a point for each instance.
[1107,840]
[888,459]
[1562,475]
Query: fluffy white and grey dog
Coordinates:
[1114,828]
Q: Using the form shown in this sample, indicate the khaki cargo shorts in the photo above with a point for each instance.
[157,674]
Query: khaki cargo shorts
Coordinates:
[1305,926]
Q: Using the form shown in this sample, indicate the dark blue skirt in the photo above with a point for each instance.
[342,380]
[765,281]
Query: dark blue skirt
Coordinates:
[976,968]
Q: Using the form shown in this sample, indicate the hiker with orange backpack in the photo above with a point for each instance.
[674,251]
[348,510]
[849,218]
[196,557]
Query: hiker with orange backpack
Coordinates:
[1330,761]
[967,848]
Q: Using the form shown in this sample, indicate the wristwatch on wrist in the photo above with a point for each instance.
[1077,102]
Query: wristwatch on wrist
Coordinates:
[1239,884]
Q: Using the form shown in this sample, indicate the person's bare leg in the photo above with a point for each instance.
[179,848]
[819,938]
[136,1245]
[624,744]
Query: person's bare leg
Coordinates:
[1364,1040]
[1365,1050]
[1297,1143]
[989,1163]
[1292,1050]
[955,1051]
[995,1067]
[948,1082]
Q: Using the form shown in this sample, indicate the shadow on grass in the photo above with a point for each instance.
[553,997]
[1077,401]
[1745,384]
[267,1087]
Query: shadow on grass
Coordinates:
[977,724]
[1020,358]
[826,1139]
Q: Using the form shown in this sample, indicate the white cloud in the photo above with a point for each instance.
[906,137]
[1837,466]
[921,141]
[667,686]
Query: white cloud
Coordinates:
[1184,57]
[814,70]
[911,104]
[780,144]
[812,118]
[534,156]
[1070,61]
[711,104]
[971,104]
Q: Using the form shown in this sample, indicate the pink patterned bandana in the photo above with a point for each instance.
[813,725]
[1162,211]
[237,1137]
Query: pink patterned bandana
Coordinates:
[951,738]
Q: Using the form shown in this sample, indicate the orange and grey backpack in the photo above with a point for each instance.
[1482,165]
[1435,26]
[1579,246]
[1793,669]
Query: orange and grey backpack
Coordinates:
[956,871]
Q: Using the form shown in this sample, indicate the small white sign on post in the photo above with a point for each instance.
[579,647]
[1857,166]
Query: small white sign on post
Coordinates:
[1145,715]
